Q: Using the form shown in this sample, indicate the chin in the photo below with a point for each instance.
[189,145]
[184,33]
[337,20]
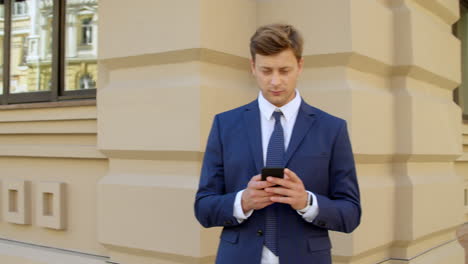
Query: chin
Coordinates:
[278,102]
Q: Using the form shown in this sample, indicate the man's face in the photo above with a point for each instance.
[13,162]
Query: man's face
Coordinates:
[277,76]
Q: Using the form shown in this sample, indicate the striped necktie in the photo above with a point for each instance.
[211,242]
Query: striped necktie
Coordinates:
[275,158]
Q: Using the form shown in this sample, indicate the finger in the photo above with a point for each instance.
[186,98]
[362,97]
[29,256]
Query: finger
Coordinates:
[292,176]
[282,191]
[282,199]
[260,193]
[266,194]
[253,184]
[257,177]
[283,182]
[259,200]
[258,185]
[263,205]
[263,200]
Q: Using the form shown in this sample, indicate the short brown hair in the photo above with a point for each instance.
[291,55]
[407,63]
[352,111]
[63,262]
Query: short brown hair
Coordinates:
[274,38]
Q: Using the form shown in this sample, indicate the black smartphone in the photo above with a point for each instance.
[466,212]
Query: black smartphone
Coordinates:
[274,172]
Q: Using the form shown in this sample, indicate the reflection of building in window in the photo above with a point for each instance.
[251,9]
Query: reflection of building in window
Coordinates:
[20,8]
[49,38]
[81,44]
[24,52]
[16,86]
[86,31]
[87,82]
[32,39]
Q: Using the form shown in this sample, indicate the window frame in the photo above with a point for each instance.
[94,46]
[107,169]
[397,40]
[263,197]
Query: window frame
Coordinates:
[58,63]
[456,92]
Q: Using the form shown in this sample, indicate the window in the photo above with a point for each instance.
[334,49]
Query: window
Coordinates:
[20,8]
[461,31]
[40,51]
[86,32]
[81,58]
[87,82]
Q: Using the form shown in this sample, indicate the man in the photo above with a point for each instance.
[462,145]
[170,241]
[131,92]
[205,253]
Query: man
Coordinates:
[280,220]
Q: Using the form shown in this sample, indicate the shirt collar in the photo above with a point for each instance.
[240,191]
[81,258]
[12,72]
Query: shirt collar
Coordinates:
[289,110]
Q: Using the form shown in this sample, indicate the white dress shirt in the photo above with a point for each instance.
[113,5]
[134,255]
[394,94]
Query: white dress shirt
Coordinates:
[288,119]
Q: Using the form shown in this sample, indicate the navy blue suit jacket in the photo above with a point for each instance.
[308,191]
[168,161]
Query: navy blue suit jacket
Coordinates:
[319,152]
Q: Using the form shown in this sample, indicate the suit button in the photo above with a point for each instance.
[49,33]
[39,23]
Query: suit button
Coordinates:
[321,223]
[228,222]
[260,232]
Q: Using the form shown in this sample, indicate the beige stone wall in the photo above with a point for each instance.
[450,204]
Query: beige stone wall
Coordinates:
[131,165]
[43,145]
[172,83]
[462,168]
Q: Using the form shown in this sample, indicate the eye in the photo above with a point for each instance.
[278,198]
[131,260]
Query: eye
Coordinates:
[284,71]
[266,71]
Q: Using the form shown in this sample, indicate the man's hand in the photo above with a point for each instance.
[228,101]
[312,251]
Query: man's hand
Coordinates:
[254,196]
[290,192]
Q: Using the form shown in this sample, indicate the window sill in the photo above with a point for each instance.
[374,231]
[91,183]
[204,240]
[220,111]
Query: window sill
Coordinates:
[20,17]
[87,102]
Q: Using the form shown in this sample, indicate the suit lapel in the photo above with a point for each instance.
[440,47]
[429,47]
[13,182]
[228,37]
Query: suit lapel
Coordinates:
[305,119]
[254,131]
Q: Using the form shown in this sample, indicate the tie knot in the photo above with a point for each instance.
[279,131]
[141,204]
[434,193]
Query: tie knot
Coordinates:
[277,114]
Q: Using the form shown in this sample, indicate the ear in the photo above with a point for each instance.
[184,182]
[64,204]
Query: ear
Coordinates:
[300,65]
[252,66]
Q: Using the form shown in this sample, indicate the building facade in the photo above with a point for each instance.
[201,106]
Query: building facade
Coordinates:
[113,179]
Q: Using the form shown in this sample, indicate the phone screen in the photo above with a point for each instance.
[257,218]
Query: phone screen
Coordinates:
[274,172]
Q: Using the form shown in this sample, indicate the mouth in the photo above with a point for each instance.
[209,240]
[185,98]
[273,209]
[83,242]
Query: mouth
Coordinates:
[276,93]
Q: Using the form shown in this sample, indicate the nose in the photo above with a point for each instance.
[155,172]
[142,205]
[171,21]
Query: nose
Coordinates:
[275,80]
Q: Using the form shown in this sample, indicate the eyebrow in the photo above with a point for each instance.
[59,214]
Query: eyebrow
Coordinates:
[281,68]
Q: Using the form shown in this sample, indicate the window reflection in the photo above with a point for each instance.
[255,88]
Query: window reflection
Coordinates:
[31,45]
[87,82]
[461,92]
[30,51]
[81,44]
[86,32]
[20,8]
[1,44]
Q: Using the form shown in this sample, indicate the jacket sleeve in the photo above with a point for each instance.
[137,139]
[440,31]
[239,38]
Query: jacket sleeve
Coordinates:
[341,209]
[213,206]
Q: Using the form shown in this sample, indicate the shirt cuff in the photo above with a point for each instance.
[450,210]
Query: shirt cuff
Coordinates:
[238,212]
[313,210]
